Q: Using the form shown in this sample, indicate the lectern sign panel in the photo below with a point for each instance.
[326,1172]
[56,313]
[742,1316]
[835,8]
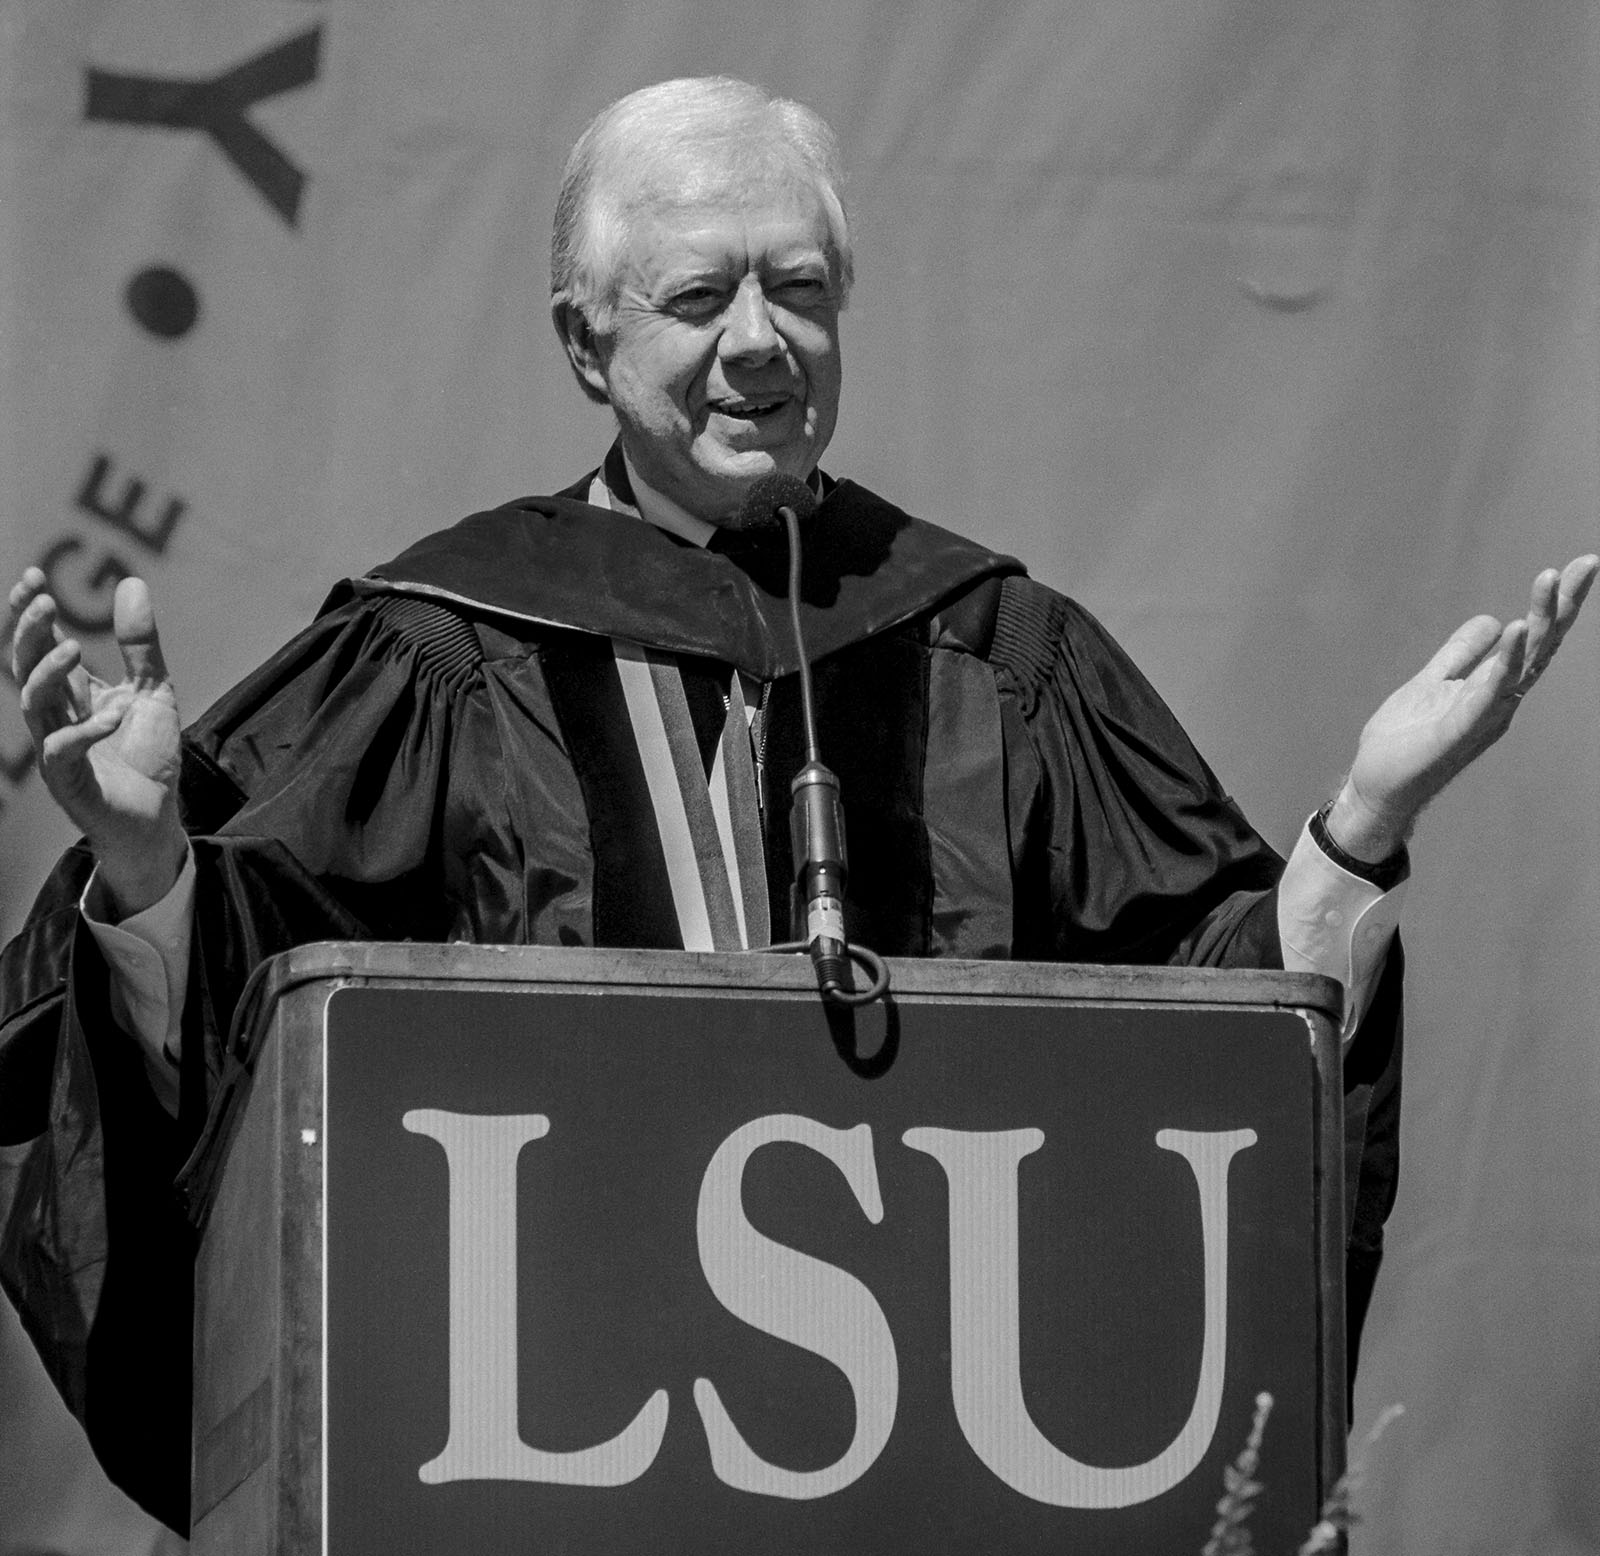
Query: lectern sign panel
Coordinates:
[608,1273]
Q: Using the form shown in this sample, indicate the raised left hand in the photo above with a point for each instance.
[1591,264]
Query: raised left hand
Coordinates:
[1443,718]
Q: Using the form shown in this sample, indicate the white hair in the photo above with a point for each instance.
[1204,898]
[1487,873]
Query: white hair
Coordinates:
[679,143]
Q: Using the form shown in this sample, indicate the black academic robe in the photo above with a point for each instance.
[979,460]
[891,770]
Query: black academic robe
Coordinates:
[443,755]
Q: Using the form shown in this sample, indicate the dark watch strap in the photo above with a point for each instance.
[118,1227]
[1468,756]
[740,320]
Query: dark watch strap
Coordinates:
[1385,875]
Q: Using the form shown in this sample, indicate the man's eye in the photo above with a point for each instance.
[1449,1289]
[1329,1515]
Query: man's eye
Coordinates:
[696,302]
[802,289]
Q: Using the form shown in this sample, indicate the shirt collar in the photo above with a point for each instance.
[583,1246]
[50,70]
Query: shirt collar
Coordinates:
[663,512]
[618,486]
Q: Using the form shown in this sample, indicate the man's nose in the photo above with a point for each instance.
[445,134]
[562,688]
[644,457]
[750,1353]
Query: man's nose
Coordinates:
[748,332]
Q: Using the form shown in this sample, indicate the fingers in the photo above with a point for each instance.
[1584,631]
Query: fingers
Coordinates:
[64,762]
[71,743]
[1501,674]
[1556,600]
[1507,661]
[133,620]
[34,632]
[25,588]
[1465,649]
[47,697]
[1577,577]
[1542,619]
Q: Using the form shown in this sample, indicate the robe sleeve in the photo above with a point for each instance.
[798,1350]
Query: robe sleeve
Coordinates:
[1127,849]
[349,789]
[1125,846]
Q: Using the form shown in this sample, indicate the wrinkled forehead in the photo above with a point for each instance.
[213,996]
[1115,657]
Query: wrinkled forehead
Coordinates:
[740,177]
[704,184]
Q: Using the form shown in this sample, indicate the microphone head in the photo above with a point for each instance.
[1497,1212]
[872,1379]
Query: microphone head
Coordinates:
[759,510]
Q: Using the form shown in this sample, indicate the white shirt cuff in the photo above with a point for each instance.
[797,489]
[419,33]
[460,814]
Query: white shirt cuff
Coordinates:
[148,957]
[1335,923]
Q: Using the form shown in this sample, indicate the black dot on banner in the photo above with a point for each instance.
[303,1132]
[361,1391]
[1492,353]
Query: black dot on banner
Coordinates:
[163,301]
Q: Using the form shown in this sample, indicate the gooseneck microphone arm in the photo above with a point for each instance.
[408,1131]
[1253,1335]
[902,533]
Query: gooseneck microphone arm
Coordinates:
[816,816]
[808,705]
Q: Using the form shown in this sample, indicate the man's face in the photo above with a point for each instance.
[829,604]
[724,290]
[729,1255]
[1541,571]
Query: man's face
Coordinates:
[721,360]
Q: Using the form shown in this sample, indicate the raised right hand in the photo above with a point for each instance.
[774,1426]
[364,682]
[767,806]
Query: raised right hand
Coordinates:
[1453,710]
[108,753]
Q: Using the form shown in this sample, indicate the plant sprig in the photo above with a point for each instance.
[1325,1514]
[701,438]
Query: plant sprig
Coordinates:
[1230,1534]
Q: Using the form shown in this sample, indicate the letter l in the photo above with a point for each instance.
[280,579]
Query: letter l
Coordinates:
[485,1442]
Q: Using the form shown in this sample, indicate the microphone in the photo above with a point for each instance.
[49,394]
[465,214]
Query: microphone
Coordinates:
[816,815]
[763,505]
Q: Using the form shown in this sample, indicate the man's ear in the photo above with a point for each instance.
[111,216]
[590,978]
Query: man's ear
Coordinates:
[582,346]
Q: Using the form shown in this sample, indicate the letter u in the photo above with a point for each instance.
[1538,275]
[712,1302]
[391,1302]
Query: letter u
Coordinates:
[985,1353]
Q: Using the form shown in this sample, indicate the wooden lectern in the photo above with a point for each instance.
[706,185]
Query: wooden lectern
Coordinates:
[523,1250]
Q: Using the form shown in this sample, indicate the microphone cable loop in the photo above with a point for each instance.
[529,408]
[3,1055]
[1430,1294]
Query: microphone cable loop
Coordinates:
[834,989]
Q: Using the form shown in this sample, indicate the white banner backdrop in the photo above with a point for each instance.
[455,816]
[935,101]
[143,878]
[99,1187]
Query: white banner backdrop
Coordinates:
[1268,332]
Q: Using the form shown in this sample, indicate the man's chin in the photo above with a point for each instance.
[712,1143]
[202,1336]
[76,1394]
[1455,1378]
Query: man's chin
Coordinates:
[735,476]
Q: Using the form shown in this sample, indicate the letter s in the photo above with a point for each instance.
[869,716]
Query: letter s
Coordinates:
[786,1293]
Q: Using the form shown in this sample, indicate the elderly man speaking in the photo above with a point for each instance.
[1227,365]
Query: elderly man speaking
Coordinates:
[505,734]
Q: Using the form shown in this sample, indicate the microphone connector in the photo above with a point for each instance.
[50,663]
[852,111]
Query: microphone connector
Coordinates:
[816,837]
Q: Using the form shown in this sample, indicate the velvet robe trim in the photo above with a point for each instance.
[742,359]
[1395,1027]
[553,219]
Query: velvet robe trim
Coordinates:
[558,562]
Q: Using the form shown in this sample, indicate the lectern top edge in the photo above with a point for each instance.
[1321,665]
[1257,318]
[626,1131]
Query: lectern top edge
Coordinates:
[380,961]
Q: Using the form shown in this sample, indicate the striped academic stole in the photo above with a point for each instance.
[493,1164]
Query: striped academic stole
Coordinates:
[709,823]
[676,825]
[664,759]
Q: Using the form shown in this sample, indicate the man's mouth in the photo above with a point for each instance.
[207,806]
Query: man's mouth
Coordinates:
[750,410]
